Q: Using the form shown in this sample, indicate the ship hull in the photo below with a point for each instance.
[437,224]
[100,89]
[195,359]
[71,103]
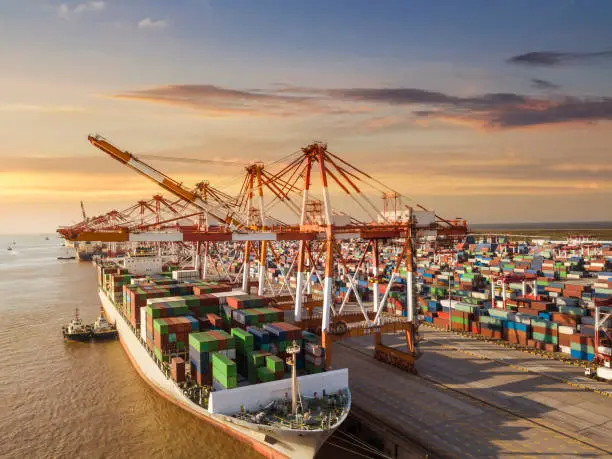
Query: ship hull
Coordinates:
[77,336]
[268,441]
[105,336]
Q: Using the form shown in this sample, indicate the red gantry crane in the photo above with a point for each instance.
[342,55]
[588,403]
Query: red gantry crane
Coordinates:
[317,244]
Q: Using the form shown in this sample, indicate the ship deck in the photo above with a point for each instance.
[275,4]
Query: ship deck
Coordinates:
[466,402]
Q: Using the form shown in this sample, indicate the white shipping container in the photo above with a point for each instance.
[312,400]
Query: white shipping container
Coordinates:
[565,349]
[184,274]
[139,280]
[565,330]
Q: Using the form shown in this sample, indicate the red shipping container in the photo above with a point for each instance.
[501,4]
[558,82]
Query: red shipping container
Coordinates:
[178,369]
[199,290]
[202,379]
[549,347]
[563,319]
[214,320]
[440,322]
[489,333]
[475,327]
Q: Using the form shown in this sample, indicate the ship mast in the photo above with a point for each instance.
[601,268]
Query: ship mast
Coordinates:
[293,351]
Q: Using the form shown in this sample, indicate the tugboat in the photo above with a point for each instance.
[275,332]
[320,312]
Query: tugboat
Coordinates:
[76,330]
[102,330]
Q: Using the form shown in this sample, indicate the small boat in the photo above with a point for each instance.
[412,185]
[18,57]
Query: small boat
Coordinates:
[66,258]
[102,330]
[9,248]
[76,330]
[47,238]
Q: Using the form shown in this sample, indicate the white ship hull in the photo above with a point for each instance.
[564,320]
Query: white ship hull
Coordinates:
[268,441]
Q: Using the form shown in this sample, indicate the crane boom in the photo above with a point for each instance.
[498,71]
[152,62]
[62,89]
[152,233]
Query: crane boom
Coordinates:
[174,187]
[83,211]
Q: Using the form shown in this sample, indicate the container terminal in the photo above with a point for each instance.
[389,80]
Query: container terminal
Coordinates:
[450,338]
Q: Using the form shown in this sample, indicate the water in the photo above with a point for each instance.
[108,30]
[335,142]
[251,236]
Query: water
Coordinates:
[78,399]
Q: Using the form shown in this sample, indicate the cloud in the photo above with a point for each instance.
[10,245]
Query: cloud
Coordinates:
[543,84]
[41,108]
[555,59]
[488,111]
[217,101]
[66,12]
[148,23]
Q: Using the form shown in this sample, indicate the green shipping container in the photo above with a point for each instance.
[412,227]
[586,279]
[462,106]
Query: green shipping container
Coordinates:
[222,365]
[160,326]
[203,342]
[264,374]
[545,338]
[274,363]
[229,382]
[243,338]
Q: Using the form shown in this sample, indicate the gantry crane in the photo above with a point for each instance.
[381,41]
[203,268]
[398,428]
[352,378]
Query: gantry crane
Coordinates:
[319,234]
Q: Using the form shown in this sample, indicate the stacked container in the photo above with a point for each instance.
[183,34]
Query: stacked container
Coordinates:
[255,361]
[224,372]
[185,274]
[256,316]
[201,346]
[245,343]
[544,334]
[170,335]
[276,366]
[178,369]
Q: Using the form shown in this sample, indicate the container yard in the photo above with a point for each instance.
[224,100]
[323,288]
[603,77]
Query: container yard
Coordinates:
[274,330]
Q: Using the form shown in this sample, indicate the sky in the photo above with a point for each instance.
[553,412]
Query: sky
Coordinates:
[491,110]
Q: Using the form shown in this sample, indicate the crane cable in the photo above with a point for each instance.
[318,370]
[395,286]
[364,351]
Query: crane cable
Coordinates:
[219,162]
[357,452]
[363,444]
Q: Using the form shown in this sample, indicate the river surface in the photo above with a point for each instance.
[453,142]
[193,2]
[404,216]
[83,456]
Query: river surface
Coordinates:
[62,399]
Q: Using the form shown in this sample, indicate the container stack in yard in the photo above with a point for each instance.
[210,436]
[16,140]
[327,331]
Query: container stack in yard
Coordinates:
[548,303]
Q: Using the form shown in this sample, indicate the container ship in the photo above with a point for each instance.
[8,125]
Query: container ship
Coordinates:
[225,356]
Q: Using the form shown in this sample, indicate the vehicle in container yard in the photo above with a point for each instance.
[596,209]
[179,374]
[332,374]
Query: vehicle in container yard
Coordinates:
[175,333]
[76,330]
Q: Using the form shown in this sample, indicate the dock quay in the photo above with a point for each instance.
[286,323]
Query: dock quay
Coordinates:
[490,402]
